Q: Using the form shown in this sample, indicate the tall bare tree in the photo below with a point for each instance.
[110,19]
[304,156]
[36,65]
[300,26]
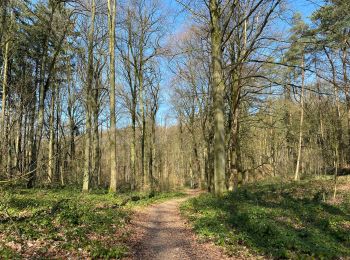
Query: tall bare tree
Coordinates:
[89,100]
[113,149]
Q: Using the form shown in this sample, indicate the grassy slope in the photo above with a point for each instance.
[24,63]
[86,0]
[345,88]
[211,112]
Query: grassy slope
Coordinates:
[62,223]
[276,220]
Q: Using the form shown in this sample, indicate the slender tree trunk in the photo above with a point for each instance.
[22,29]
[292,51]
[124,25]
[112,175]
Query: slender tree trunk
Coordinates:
[236,152]
[96,162]
[182,155]
[133,90]
[287,123]
[152,153]
[4,5]
[143,137]
[218,89]
[4,87]
[89,101]
[60,154]
[300,143]
[5,52]
[31,136]
[24,143]
[71,167]
[4,137]
[336,173]
[133,148]
[112,141]
[347,96]
[88,141]
[51,163]
[8,138]
[18,148]
[32,151]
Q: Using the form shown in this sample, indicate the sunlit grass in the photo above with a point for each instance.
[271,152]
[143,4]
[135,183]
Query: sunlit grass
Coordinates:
[276,220]
[65,222]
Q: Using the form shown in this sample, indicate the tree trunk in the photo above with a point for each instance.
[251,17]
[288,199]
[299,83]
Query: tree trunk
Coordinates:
[96,162]
[31,136]
[152,153]
[4,5]
[133,149]
[4,87]
[51,163]
[112,141]
[59,157]
[347,95]
[71,162]
[18,148]
[133,90]
[89,101]
[218,89]
[4,137]
[143,137]
[300,143]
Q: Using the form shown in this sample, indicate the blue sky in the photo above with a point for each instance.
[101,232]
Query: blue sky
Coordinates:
[179,20]
[305,7]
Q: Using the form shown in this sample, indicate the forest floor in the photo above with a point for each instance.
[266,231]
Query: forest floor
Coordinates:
[159,232]
[67,224]
[296,220]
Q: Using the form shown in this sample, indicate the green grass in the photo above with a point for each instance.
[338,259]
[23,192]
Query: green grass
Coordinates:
[64,222]
[281,221]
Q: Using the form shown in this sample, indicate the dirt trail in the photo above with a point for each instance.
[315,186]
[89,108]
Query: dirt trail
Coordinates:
[159,232]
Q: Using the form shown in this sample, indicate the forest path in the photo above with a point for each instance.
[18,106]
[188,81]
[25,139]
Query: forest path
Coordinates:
[160,233]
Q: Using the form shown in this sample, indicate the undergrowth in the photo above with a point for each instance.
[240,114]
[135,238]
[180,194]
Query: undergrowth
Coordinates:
[65,223]
[281,221]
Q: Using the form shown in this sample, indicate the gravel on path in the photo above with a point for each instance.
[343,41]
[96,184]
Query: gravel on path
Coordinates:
[160,233]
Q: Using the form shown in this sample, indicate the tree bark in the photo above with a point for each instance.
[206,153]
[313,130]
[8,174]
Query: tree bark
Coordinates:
[4,5]
[71,128]
[300,143]
[51,163]
[4,137]
[4,87]
[218,89]
[112,141]
[143,119]
[347,95]
[96,158]
[89,101]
